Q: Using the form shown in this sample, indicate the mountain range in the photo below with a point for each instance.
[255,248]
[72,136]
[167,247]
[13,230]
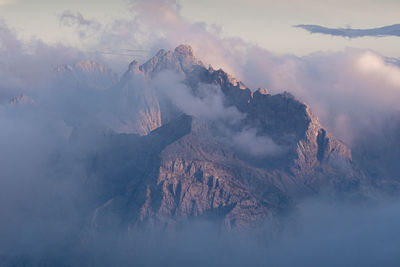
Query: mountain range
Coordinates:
[176,162]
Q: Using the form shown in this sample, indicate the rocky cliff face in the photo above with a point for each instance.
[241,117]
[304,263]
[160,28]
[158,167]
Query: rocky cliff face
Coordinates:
[184,173]
[137,103]
[185,166]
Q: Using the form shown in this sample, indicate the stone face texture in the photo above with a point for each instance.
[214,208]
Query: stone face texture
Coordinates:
[189,174]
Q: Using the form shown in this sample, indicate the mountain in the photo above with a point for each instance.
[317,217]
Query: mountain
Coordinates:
[174,153]
[180,171]
[243,158]
[85,75]
[138,107]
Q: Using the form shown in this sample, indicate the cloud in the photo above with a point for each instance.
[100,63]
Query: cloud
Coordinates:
[323,234]
[40,177]
[371,64]
[77,20]
[391,30]
[155,25]
[247,141]
[339,90]
[42,174]
[349,91]
[174,29]
[69,18]
[336,234]
[27,66]
[207,103]
[6,2]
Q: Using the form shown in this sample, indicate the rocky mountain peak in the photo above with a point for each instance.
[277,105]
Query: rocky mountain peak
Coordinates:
[134,67]
[181,60]
[184,50]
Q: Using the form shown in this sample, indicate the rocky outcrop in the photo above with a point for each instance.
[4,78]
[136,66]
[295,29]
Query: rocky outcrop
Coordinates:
[190,175]
[137,103]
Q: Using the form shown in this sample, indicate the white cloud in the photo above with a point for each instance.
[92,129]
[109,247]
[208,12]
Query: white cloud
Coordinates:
[249,142]
[208,104]
[372,64]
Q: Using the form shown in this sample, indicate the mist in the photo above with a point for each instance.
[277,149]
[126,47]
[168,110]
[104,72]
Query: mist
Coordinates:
[207,103]
[325,233]
[47,137]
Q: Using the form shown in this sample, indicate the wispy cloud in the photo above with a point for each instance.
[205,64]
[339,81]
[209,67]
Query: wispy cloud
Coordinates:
[84,26]
[69,18]
[390,30]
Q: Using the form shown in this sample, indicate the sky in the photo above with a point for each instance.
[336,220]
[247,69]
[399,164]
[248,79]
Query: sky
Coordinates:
[266,23]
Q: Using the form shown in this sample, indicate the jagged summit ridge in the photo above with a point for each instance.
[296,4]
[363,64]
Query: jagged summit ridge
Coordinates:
[182,60]
[84,66]
[289,122]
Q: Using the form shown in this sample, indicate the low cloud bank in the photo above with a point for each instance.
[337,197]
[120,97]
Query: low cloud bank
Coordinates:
[323,233]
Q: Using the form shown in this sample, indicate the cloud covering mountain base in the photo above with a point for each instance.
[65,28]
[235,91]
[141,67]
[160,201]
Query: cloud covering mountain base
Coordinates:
[47,134]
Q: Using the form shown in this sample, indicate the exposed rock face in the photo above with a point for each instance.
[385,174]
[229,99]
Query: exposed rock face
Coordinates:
[138,101]
[150,113]
[184,173]
[184,167]
[181,60]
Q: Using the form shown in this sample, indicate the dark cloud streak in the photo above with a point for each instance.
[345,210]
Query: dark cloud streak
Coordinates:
[390,30]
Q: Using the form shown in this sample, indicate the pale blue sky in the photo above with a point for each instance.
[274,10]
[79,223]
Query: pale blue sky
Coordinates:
[267,23]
